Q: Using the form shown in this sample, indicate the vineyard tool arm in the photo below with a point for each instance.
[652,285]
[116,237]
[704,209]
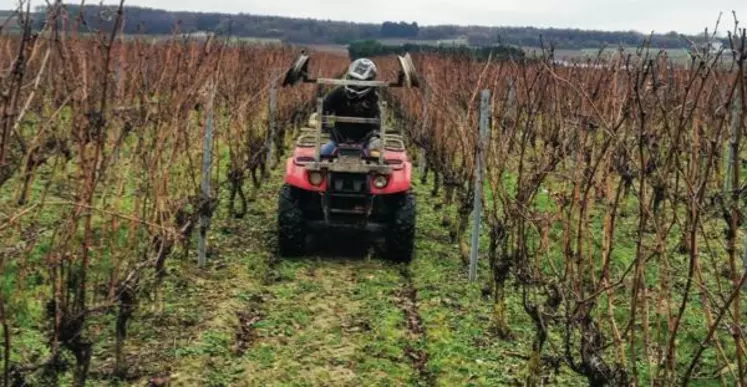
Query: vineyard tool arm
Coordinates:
[299,72]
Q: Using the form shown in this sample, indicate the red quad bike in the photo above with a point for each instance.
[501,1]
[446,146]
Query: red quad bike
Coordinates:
[348,190]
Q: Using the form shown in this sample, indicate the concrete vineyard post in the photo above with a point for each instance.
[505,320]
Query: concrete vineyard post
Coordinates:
[426,100]
[207,161]
[512,97]
[271,122]
[422,167]
[383,127]
[118,74]
[319,124]
[736,123]
[479,171]
[736,127]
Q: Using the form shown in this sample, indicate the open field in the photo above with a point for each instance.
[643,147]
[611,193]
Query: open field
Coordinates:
[678,55]
[8,23]
[612,239]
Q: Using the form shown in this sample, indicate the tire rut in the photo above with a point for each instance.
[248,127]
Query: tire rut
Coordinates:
[246,333]
[254,312]
[307,311]
[415,349]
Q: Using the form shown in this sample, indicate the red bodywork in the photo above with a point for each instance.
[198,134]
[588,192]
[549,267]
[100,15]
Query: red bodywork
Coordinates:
[297,175]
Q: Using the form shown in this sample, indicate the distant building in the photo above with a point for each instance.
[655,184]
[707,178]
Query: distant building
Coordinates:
[711,48]
[458,41]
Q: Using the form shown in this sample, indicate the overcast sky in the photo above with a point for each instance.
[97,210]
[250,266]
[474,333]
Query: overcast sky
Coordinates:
[687,16]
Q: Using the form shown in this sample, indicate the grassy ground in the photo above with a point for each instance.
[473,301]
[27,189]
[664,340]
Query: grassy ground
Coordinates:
[337,317]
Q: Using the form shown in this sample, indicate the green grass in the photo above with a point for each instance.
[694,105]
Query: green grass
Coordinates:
[324,320]
[333,320]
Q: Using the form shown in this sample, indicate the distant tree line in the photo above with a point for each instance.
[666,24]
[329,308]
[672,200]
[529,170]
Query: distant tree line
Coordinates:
[140,20]
[373,48]
[399,30]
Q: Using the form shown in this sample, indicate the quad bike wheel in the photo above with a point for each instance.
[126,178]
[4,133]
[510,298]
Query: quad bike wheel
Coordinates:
[400,236]
[290,223]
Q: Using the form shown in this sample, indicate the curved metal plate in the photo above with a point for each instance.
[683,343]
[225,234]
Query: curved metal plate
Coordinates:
[298,71]
[408,71]
[313,120]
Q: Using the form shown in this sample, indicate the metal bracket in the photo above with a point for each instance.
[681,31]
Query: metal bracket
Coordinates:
[361,168]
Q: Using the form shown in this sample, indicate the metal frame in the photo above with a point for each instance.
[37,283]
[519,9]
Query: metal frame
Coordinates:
[365,214]
[319,165]
[350,82]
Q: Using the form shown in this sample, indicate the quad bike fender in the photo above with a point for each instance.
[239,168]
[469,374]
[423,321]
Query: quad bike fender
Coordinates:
[297,176]
[401,177]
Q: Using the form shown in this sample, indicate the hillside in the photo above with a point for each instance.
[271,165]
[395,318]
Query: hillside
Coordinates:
[141,20]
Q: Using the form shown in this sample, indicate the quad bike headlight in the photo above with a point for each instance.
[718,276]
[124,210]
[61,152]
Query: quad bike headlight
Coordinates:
[316,178]
[380,181]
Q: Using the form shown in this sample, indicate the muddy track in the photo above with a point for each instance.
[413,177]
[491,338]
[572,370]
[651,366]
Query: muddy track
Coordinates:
[271,274]
[418,355]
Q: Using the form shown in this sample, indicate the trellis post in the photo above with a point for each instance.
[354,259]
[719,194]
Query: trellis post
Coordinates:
[479,172]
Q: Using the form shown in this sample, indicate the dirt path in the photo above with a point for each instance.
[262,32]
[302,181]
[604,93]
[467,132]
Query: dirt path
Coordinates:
[335,317]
